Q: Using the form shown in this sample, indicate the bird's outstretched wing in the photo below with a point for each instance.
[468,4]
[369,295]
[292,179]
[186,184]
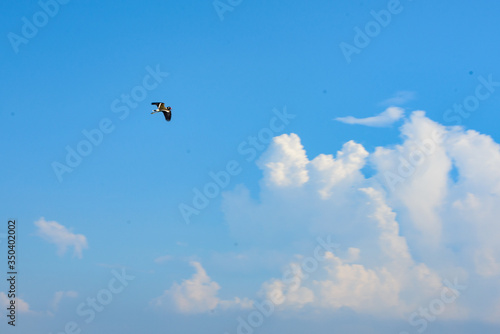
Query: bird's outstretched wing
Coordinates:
[160,105]
[168,115]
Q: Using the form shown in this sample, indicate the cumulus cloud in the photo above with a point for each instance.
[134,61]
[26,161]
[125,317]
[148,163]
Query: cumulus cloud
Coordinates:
[421,231]
[196,295]
[330,172]
[416,173]
[347,282]
[405,231]
[385,118]
[59,235]
[285,161]
[21,305]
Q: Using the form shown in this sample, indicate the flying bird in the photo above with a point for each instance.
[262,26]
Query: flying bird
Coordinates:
[167,111]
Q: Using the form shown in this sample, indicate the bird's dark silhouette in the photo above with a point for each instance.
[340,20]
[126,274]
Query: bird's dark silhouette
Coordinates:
[167,111]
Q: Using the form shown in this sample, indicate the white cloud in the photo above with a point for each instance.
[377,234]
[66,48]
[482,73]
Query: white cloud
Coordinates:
[350,283]
[57,234]
[21,305]
[422,165]
[385,118]
[196,295]
[404,238]
[329,171]
[477,157]
[288,294]
[401,239]
[285,161]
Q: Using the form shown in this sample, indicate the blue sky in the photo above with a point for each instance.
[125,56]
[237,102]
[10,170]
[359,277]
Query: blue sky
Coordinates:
[227,75]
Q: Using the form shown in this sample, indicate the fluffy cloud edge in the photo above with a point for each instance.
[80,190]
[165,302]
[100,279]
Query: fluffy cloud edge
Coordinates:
[197,295]
[59,235]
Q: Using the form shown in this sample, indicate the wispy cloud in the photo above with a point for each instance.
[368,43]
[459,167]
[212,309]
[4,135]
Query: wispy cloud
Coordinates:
[386,118]
[399,98]
[59,235]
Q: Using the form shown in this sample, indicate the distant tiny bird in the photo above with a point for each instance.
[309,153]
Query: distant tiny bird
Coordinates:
[167,111]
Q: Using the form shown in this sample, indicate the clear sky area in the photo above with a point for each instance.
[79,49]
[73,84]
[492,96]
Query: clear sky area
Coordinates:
[329,167]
